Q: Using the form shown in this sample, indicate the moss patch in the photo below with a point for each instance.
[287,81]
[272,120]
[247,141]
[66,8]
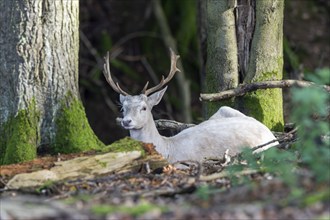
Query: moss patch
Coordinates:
[20,136]
[74,133]
[135,211]
[266,106]
[124,145]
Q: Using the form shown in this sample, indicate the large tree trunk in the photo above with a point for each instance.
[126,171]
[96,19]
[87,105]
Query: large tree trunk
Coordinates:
[266,63]
[39,102]
[244,44]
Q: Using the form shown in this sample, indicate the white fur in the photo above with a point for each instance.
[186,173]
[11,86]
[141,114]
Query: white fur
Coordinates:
[226,129]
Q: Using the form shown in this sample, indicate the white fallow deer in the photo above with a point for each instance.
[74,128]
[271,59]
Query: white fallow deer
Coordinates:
[226,129]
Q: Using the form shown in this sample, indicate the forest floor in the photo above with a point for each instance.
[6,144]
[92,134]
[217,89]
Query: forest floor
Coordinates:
[166,193]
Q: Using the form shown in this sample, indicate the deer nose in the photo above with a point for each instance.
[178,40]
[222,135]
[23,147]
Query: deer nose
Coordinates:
[126,122]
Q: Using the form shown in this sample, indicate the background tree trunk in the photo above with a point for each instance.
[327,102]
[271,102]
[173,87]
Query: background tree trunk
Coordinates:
[266,63]
[244,44]
[39,104]
[221,63]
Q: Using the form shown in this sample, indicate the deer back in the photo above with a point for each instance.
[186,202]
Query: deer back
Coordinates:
[226,129]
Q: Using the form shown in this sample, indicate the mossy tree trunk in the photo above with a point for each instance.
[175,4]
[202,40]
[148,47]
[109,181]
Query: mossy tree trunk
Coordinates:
[245,44]
[266,63]
[39,102]
[221,71]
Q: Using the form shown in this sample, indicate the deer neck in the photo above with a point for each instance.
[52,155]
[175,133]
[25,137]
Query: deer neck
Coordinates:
[150,134]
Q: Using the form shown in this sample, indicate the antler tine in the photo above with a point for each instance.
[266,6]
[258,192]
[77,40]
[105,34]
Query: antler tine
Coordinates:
[145,88]
[173,70]
[109,79]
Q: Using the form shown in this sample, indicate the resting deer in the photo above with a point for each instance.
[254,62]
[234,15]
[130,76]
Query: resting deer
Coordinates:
[226,129]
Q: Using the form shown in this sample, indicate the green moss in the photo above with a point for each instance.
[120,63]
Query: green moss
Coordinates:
[47,185]
[20,136]
[73,132]
[124,145]
[135,211]
[266,106]
[103,164]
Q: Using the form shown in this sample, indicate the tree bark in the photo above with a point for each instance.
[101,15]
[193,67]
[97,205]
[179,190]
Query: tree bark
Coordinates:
[266,64]
[244,45]
[222,63]
[40,104]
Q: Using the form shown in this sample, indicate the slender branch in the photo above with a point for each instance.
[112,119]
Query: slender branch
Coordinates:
[170,42]
[224,174]
[245,88]
[284,139]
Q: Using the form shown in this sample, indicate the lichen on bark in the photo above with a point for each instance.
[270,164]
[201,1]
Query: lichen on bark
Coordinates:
[73,132]
[20,136]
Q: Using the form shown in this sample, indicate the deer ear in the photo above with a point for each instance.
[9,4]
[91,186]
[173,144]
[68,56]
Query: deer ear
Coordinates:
[155,98]
[122,98]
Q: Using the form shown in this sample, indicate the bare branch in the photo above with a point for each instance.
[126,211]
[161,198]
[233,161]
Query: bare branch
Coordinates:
[184,88]
[245,88]
[224,174]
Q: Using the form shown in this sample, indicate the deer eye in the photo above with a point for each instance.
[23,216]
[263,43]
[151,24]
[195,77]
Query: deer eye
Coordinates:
[143,108]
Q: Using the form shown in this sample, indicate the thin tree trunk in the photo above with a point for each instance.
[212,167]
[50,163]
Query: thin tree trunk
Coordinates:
[39,104]
[222,63]
[184,89]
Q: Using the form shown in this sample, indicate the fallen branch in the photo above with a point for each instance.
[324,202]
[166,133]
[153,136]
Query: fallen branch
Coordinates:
[245,88]
[224,174]
[162,124]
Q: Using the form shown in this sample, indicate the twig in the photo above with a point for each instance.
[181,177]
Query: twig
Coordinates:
[150,70]
[131,36]
[169,191]
[92,50]
[245,88]
[287,137]
[224,174]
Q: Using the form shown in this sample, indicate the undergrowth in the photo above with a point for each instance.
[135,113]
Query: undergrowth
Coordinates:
[310,154]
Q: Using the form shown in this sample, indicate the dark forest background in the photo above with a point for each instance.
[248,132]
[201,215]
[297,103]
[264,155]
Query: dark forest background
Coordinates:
[129,30]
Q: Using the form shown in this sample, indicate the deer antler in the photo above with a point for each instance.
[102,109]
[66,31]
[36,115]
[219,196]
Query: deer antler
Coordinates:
[109,79]
[173,70]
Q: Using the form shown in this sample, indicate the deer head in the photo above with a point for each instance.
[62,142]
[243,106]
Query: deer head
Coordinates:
[137,108]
